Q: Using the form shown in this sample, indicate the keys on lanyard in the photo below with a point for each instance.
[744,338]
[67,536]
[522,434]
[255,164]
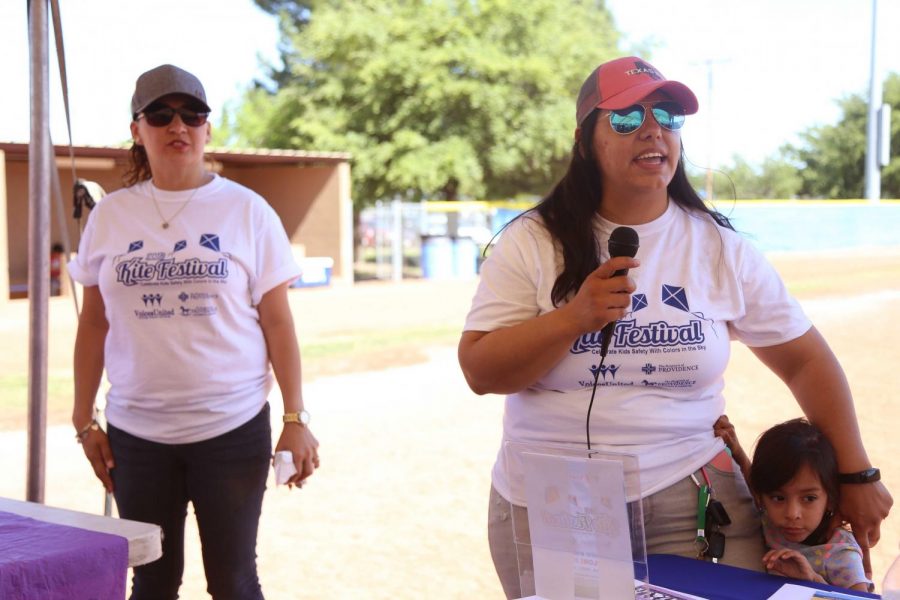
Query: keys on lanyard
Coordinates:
[711,515]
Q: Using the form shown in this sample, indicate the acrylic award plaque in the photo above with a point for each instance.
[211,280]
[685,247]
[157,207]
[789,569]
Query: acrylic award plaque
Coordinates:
[585,532]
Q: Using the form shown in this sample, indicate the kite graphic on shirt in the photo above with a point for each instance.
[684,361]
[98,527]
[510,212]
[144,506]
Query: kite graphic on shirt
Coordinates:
[210,240]
[676,297]
[638,302]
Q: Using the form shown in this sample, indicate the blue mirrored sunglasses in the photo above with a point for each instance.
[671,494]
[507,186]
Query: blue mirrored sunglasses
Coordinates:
[669,115]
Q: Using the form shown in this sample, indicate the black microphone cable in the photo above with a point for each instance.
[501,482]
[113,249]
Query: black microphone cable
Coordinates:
[587,424]
[623,241]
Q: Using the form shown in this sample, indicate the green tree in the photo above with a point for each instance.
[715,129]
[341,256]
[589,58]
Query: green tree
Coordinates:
[832,157]
[434,98]
[777,177]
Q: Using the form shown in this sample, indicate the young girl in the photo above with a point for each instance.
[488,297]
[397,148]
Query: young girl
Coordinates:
[794,479]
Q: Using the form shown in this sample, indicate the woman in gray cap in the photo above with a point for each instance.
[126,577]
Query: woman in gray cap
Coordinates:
[185,277]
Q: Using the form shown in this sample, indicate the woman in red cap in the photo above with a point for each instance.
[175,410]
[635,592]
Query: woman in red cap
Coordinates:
[185,277]
[557,327]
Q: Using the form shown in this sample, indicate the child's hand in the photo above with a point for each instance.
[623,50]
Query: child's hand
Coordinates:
[724,429]
[790,563]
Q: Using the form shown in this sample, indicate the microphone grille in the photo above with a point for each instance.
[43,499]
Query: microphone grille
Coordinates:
[623,242]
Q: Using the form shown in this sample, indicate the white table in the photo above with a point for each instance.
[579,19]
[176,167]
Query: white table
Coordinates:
[144,539]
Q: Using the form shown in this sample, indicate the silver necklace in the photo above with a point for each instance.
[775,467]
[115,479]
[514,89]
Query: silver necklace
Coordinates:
[165,221]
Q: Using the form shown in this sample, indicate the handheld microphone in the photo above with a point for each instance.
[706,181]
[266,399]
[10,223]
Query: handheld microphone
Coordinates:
[622,242]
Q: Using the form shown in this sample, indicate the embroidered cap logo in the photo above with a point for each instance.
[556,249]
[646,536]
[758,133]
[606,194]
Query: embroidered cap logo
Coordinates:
[642,67]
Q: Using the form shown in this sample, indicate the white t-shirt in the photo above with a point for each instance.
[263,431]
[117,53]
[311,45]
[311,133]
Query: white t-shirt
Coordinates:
[660,389]
[185,354]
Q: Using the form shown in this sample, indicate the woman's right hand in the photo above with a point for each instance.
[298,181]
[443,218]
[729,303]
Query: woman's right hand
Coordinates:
[603,297]
[96,448]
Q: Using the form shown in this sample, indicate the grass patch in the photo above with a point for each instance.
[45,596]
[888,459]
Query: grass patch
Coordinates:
[14,390]
[327,356]
[14,400]
[372,350]
[378,341]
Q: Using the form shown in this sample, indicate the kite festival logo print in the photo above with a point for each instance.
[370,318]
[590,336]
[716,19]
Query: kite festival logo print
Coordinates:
[149,270]
[655,337]
[159,268]
[660,336]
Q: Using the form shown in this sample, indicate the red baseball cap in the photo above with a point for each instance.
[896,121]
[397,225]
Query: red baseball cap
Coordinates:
[624,81]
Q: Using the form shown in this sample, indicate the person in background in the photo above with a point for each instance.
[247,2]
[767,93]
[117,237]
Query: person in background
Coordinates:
[794,478]
[549,287]
[185,277]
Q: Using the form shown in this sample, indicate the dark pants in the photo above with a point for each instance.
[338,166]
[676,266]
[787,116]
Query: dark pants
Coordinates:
[224,478]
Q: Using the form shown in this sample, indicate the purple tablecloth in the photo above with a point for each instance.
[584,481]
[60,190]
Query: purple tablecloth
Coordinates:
[57,562]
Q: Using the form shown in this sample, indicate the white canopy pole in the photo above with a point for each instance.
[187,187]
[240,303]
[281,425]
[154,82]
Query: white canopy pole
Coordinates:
[40,163]
[873,169]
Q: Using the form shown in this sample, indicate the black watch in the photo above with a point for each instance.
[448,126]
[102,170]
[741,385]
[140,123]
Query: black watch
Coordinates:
[868,476]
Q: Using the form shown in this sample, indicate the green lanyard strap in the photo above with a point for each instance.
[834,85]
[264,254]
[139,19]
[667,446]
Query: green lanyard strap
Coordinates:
[702,503]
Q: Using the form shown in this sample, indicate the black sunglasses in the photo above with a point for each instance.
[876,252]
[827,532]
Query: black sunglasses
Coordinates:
[669,115]
[163,115]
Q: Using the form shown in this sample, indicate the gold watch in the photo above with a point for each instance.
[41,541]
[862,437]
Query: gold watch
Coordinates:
[301,418]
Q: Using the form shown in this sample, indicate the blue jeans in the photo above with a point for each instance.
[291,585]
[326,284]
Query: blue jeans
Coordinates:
[224,477]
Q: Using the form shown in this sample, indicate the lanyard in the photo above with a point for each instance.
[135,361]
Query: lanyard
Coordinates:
[709,544]
[702,503]
[706,478]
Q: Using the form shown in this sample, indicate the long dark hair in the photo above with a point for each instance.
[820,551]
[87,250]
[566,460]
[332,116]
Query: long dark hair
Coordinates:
[786,448]
[568,211]
[138,166]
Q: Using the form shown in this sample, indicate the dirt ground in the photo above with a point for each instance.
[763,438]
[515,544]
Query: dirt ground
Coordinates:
[398,508]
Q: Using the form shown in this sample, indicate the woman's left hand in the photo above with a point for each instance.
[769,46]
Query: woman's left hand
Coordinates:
[304,448]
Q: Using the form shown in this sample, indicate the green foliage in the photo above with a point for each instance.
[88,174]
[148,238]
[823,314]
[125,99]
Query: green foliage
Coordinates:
[775,178]
[832,157]
[828,163]
[433,98]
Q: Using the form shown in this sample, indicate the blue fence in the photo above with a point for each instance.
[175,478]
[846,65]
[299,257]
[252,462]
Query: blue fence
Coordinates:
[800,225]
[815,225]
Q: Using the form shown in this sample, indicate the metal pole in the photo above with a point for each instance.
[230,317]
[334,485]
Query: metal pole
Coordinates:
[40,161]
[396,239]
[873,172]
[709,148]
[379,239]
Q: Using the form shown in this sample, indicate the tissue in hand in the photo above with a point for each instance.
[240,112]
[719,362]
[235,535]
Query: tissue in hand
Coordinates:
[284,466]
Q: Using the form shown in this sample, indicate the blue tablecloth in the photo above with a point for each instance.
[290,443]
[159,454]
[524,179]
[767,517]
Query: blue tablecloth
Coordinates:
[57,562]
[721,582]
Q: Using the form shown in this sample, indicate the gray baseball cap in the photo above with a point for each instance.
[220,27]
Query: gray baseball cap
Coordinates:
[162,81]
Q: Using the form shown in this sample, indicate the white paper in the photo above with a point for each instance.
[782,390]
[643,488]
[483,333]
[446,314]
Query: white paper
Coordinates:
[638,583]
[284,466]
[677,595]
[790,591]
